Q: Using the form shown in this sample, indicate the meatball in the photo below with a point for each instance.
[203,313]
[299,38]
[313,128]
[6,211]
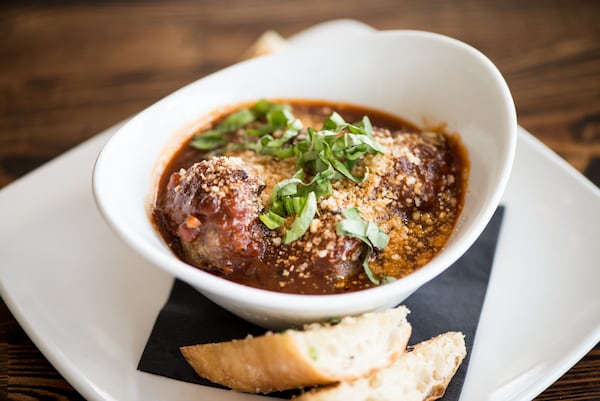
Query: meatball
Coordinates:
[210,212]
[212,208]
[420,165]
[321,260]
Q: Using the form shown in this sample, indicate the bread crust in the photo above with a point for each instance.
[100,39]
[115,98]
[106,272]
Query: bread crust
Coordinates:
[395,385]
[269,42]
[321,354]
[439,390]
[256,365]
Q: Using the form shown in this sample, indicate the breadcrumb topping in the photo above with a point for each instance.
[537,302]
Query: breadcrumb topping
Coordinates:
[413,192]
[391,195]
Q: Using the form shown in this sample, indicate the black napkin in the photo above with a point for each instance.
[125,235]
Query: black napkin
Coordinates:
[452,301]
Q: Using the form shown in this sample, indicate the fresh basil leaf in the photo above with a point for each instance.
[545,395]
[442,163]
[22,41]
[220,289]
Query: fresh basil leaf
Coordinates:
[339,166]
[261,108]
[366,125]
[299,174]
[208,140]
[303,219]
[352,140]
[351,213]
[285,187]
[378,238]
[355,130]
[288,134]
[236,120]
[281,153]
[368,232]
[368,270]
[278,207]
[260,131]
[321,187]
[335,122]
[293,204]
[279,117]
[271,219]
[215,137]
[326,155]
[353,228]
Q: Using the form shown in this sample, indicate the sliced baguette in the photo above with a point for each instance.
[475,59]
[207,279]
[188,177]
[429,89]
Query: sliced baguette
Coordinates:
[320,354]
[269,42]
[417,375]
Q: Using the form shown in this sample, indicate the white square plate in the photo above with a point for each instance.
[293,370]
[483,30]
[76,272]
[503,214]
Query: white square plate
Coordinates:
[89,303]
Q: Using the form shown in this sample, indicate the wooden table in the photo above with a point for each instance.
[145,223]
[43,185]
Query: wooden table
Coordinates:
[71,70]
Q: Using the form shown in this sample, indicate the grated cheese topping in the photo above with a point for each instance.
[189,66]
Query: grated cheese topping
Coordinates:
[394,183]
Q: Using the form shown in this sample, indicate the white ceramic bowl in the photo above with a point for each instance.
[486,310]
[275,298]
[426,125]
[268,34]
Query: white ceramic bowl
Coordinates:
[416,75]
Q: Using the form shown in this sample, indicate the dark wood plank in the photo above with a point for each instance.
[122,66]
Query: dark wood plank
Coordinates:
[69,69]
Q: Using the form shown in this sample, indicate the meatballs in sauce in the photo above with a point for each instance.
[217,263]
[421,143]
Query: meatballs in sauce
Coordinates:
[311,197]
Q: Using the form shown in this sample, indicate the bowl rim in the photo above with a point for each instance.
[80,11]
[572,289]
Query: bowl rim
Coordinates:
[211,284]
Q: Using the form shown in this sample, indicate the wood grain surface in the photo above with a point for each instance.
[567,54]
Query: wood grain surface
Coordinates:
[69,69]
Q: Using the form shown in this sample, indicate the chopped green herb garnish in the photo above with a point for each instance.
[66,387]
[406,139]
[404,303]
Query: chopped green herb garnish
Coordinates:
[271,219]
[237,120]
[209,140]
[322,156]
[262,107]
[275,117]
[313,353]
[284,188]
[368,232]
[215,137]
[326,155]
[303,219]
